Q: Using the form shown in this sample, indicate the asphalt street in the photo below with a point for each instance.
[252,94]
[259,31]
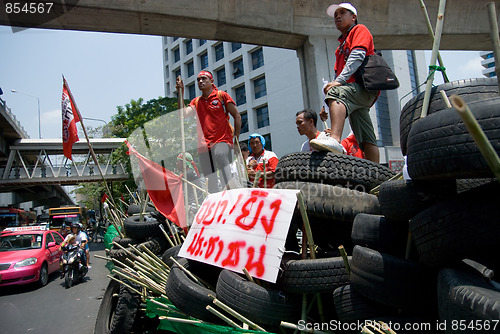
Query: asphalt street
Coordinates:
[53,308]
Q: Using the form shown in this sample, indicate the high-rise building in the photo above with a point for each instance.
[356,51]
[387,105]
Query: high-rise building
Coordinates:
[266,85]
[488,63]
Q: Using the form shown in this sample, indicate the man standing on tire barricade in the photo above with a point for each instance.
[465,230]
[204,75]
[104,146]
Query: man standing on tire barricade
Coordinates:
[215,133]
[344,96]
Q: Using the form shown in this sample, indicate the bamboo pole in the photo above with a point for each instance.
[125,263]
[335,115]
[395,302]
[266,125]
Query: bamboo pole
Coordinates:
[166,235]
[223,317]
[180,102]
[484,145]
[435,49]
[431,33]
[492,15]
[265,173]
[237,315]
[257,178]
[307,226]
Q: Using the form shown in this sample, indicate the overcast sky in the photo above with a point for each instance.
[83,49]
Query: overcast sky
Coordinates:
[103,71]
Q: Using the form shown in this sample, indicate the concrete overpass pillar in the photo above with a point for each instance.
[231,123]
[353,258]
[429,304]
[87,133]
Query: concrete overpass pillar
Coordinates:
[316,59]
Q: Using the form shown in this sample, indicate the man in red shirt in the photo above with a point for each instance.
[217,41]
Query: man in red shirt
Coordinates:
[215,134]
[344,96]
[255,161]
[352,147]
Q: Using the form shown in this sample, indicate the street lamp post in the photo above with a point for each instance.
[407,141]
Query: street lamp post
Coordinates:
[38,99]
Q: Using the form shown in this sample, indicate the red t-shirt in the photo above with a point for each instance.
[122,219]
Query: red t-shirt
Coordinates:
[352,147]
[359,37]
[213,120]
[271,160]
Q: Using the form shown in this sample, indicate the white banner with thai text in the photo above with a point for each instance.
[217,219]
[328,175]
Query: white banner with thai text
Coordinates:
[242,228]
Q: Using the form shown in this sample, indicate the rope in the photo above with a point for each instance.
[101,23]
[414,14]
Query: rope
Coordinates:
[434,68]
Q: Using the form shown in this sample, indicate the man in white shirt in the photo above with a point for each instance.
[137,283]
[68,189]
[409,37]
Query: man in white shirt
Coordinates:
[306,121]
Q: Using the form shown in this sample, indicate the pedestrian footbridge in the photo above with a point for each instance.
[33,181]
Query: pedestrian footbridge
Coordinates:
[33,162]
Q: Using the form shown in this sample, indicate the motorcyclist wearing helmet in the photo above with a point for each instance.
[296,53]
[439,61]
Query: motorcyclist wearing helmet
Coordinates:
[80,239]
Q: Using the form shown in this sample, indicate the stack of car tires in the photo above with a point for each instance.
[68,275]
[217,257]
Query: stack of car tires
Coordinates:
[450,208]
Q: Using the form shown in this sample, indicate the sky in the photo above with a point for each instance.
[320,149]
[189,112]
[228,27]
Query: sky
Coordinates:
[105,70]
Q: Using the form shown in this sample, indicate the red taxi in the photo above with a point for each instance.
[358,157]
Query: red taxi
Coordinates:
[28,254]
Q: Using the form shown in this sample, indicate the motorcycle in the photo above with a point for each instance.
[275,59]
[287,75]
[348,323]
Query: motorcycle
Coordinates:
[73,269]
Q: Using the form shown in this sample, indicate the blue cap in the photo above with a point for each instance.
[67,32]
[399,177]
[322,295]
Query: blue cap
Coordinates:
[256,135]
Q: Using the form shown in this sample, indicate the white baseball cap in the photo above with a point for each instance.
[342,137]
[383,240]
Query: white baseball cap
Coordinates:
[331,10]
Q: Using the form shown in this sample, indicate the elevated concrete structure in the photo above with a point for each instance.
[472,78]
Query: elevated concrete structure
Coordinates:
[301,25]
[395,24]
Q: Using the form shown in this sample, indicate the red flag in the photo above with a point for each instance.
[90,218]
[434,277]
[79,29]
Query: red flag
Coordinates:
[69,119]
[104,198]
[164,189]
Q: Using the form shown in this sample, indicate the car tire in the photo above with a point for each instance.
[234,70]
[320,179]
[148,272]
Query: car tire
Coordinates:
[351,306]
[314,275]
[393,281]
[462,227]
[265,306]
[43,276]
[134,228]
[469,89]
[440,147]
[187,295]
[467,297]
[333,169]
[378,233]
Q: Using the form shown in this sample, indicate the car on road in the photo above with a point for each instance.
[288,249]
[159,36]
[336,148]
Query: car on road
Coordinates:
[28,254]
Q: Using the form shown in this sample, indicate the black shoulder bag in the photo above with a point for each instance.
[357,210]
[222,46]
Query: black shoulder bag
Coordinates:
[374,74]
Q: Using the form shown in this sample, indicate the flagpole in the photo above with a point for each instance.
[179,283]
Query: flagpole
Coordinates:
[88,141]
[180,103]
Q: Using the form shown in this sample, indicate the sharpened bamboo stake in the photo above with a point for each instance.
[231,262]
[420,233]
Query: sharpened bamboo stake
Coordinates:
[185,321]
[166,235]
[181,267]
[103,257]
[128,286]
[482,142]
[236,314]
[346,260]
[223,317]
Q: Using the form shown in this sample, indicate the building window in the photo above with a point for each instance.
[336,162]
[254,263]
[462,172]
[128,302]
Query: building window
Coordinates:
[219,51]
[269,145]
[191,91]
[221,76]
[202,41]
[166,55]
[257,59]
[238,68]
[190,69]
[189,46]
[259,86]
[167,73]
[244,122]
[204,60]
[177,55]
[413,72]
[167,89]
[175,38]
[177,73]
[235,46]
[241,97]
[262,117]
[384,120]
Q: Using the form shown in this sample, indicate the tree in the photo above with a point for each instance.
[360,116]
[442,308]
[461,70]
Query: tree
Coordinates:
[147,126]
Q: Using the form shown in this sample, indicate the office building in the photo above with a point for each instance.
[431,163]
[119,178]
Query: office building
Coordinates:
[266,85]
[488,63]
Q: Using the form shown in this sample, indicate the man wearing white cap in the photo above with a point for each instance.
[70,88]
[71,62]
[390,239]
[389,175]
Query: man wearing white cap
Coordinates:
[344,96]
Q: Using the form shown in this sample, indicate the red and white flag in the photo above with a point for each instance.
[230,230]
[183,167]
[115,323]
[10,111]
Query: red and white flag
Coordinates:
[164,189]
[69,119]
